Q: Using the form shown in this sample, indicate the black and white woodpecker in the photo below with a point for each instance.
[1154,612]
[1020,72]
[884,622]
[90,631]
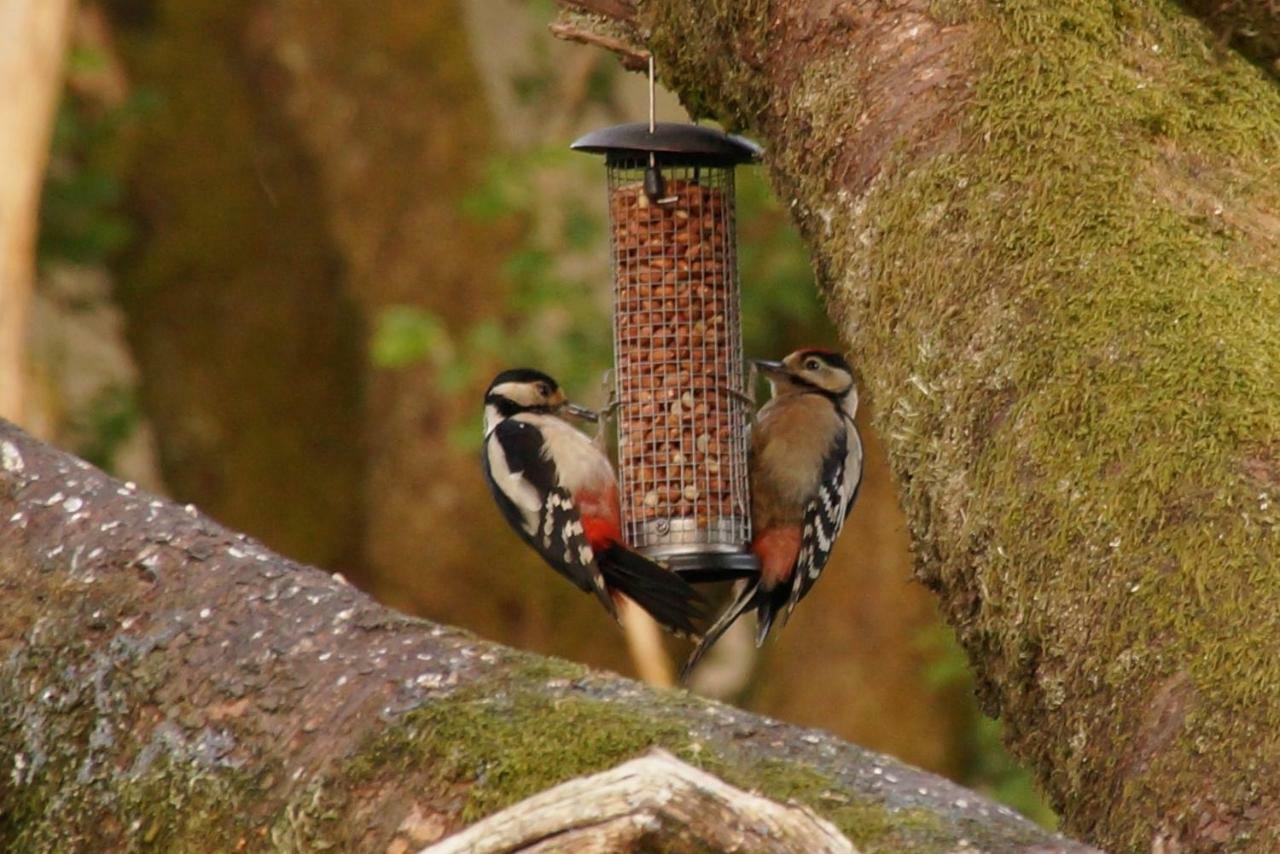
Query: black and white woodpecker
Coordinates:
[805,467]
[559,493]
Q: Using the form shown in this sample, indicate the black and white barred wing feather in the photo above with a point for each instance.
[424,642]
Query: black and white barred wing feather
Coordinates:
[541,511]
[824,516]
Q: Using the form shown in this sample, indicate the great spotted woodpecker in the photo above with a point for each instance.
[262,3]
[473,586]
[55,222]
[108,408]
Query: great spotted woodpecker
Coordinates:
[805,468]
[558,491]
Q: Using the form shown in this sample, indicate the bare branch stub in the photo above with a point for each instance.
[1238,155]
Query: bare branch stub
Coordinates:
[588,30]
[654,797]
[609,24]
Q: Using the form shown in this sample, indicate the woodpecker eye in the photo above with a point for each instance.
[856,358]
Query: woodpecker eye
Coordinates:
[812,364]
[544,389]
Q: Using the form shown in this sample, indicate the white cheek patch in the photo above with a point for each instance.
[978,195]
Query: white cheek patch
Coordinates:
[492,418]
[521,393]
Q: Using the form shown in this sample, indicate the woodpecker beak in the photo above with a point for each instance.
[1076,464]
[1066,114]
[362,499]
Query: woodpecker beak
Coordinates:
[579,412]
[770,369]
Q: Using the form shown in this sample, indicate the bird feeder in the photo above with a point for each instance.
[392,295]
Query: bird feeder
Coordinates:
[680,384]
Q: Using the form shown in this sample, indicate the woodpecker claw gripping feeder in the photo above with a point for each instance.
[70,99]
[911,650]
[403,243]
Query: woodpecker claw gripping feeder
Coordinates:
[683,411]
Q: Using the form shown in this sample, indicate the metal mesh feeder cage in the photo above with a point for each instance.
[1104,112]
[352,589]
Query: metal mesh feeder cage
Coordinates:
[680,386]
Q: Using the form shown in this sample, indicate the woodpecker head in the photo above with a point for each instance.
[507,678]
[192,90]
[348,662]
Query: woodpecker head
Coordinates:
[822,372]
[526,390]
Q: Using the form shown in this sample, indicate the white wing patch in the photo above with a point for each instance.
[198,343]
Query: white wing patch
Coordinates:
[523,494]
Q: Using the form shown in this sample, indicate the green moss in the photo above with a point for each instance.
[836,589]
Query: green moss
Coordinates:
[869,825]
[68,797]
[498,745]
[83,763]
[175,807]
[714,84]
[1068,322]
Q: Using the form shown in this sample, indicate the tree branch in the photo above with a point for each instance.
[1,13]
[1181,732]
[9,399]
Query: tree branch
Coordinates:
[592,29]
[168,683]
[618,10]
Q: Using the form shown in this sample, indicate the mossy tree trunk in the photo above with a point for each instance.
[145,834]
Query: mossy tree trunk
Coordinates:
[1050,233]
[167,684]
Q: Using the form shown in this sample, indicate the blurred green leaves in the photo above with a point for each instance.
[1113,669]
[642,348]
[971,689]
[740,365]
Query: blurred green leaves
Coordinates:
[82,216]
[406,335]
[781,309]
[557,310]
[105,426]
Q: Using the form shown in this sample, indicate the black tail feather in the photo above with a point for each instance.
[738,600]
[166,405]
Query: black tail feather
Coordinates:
[767,604]
[751,596]
[668,598]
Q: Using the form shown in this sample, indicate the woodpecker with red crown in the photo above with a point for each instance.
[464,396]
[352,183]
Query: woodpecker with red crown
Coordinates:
[559,493]
[805,468]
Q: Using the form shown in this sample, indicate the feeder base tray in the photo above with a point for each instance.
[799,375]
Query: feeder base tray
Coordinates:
[707,568]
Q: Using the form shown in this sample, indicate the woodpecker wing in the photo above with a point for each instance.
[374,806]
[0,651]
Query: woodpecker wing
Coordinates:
[525,483]
[825,514]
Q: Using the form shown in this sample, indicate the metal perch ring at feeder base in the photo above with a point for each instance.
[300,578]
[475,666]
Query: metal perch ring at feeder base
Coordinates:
[683,409]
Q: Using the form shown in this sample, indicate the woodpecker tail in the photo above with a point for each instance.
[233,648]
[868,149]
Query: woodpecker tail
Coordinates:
[767,604]
[667,597]
[770,603]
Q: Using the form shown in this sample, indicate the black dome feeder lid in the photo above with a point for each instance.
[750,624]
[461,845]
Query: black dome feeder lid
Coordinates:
[671,142]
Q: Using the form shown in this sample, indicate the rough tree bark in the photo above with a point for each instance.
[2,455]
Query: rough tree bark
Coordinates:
[32,33]
[170,685]
[1050,233]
